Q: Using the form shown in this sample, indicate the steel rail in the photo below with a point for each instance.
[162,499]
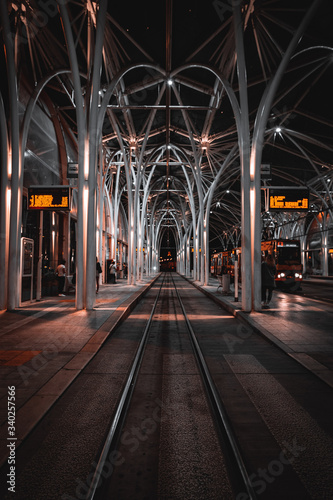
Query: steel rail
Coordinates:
[217,404]
[214,398]
[123,404]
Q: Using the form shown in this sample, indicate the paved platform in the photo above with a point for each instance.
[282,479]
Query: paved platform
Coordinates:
[45,345]
[300,326]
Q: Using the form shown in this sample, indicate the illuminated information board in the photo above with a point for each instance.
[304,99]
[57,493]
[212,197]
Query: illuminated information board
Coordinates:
[49,198]
[286,199]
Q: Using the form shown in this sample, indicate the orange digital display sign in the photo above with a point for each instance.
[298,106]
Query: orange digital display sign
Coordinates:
[49,198]
[288,199]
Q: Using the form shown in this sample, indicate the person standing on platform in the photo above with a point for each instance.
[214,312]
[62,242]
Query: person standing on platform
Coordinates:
[268,270]
[98,272]
[61,277]
[113,271]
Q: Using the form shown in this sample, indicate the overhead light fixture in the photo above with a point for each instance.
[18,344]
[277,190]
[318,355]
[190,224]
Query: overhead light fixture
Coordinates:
[278,129]
[170,82]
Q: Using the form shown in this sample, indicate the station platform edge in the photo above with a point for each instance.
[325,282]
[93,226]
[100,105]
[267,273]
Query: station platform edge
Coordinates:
[40,385]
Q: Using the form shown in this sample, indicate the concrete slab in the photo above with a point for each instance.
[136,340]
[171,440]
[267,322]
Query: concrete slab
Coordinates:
[298,325]
[61,341]
[314,366]
[79,361]
[59,383]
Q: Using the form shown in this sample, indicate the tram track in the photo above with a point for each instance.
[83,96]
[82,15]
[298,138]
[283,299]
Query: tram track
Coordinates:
[146,424]
[118,420]
[264,383]
[244,478]
[238,474]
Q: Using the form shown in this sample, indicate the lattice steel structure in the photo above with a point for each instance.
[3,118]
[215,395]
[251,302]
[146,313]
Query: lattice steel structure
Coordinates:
[173,146]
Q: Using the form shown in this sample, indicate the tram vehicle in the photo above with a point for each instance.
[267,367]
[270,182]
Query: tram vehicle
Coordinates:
[222,263]
[168,263]
[168,266]
[287,255]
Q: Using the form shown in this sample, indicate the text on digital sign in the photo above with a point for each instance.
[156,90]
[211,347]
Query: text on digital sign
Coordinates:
[289,199]
[48,198]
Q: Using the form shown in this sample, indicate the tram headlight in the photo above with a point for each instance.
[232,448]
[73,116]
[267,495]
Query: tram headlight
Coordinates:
[281,275]
[296,275]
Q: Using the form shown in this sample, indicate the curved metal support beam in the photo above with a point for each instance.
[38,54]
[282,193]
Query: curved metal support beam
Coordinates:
[93,146]
[81,128]
[208,201]
[16,182]
[4,212]
[257,147]
[244,152]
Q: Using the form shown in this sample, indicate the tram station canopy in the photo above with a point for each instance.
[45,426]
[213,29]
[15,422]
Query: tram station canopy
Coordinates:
[191,104]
